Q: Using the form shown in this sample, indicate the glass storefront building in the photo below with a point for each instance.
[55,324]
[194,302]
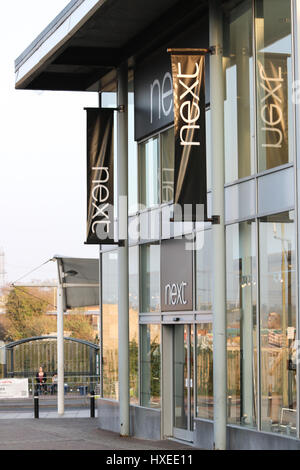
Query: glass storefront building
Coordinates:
[171,356]
[261,283]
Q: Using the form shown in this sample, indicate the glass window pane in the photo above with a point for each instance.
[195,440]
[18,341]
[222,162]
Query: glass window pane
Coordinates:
[110,324]
[133,323]
[150,278]
[278,323]
[282,198]
[240,201]
[208,148]
[274,82]
[204,271]
[149,172]
[238,105]
[204,371]
[241,323]
[167,165]
[132,157]
[150,366]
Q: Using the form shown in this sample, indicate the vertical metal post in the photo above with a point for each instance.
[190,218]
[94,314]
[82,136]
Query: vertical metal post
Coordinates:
[12,365]
[218,230]
[92,404]
[36,405]
[123,302]
[60,343]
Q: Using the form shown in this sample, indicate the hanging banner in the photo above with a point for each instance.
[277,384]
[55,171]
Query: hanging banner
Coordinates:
[100,176]
[272,109]
[190,192]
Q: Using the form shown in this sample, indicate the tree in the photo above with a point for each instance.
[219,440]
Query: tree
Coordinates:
[26,314]
[80,326]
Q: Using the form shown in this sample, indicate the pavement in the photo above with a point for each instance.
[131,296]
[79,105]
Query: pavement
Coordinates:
[49,414]
[19,432]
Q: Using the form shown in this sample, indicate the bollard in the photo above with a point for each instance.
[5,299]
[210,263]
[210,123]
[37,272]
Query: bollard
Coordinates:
[229,406]
[269,412]
[92,407]
[36,406]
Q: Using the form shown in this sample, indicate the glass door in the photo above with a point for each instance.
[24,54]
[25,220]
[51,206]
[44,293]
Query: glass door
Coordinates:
[183,396]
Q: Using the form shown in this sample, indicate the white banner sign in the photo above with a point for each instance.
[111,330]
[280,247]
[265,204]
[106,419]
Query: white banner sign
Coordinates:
[13,388]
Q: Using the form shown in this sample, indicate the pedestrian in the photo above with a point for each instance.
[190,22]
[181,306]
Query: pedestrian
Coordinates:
[41,378]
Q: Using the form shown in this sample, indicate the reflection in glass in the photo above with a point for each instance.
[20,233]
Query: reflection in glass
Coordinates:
[183,376]
[208,147]
[273,82]
[150,278]
[133,324]
[150,366]
[110,324]
[132,157]
[238,105]
[241,323]
[149,172]
[278,323]
[204,271]
[167,165]
[204,372]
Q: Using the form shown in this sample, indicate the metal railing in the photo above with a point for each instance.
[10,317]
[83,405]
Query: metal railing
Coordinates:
[74,387]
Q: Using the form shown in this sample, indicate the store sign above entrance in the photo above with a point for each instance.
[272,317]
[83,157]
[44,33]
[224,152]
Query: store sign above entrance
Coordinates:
[100,176]
[176,276]
[190,188]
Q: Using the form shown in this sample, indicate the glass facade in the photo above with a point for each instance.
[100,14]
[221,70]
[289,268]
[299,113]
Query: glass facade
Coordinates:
[150,278]
[273,82]
[149,173]
[241,280]
[134,324]
[132,156]
[110,325]
[238,104]
[204,271]
[150,366]
[204,371]
[167,166]
[261,284]
[278,323]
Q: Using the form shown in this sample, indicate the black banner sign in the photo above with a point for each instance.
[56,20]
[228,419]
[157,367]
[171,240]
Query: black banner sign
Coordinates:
[100,176]
[272,109]
[190,192]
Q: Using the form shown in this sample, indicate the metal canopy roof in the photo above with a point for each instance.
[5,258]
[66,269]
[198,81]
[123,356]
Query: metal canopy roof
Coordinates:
[83,45]
[80,280]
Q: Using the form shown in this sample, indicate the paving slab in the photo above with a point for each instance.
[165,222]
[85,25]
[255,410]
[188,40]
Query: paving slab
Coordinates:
[71,434]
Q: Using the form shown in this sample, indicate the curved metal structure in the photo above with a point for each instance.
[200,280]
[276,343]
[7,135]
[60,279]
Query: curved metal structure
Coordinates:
[24,362]
[37,338]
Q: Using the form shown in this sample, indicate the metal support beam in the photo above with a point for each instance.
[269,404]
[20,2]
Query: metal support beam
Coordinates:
[123,302]
[218,230]
[60,342]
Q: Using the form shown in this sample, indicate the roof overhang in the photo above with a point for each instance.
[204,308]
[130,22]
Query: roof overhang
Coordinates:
[79,278]
[82,47]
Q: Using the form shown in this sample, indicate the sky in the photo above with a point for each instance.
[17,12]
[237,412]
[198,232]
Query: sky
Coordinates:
[42,156]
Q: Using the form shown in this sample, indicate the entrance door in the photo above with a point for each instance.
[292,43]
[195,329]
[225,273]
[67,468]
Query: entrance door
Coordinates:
[183,373]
